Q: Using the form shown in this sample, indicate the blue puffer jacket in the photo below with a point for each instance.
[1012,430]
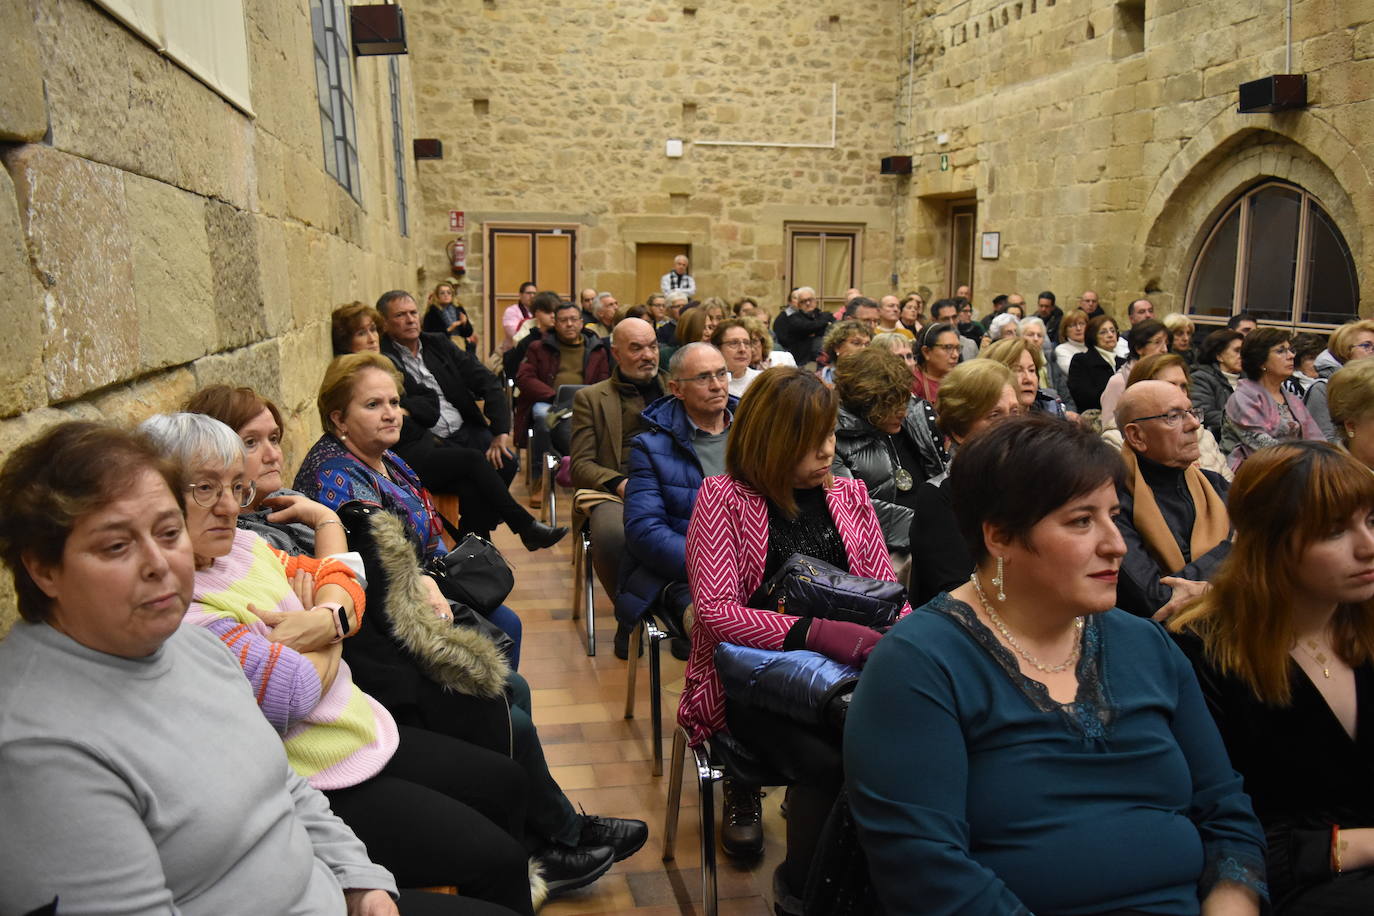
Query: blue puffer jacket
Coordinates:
[664,478]
[798,685]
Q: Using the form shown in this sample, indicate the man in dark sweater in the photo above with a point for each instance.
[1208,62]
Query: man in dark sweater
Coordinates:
[1173,514]
[801,332]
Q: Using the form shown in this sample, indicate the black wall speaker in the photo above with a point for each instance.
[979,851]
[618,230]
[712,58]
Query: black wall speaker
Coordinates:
[896,165]
[1281,92]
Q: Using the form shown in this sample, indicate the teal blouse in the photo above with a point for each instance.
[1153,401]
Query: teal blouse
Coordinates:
[976,793]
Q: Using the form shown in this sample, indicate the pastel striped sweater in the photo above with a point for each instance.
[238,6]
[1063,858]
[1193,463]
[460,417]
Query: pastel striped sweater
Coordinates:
[334,740]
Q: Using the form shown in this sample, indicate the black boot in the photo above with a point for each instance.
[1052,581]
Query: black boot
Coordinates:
[566,868]
[539,535]
[621,643]
[741,819]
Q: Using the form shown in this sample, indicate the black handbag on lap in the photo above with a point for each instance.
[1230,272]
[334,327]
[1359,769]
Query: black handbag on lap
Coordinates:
[807,587]
[473,573]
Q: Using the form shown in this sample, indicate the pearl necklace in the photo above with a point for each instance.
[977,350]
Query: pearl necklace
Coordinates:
[1011,640]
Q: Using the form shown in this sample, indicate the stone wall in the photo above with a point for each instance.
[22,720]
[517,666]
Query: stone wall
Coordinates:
[154,239]
[1101,152]
[559,112]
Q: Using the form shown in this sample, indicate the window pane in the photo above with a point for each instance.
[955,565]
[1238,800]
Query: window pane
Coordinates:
[962,254]
[838,276]
[331,162]
[806,261]
[1215,289]
[1271,256]
[1333,289]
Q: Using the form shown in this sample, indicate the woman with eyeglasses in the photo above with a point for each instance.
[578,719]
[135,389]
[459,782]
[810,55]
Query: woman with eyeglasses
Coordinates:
[1091,370]
[1262,411]
[937,356]
[913,313]
[445,316]
[1352,341]
[461,806]
[731,337]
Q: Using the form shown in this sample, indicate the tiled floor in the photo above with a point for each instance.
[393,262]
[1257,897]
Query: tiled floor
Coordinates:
[602,760]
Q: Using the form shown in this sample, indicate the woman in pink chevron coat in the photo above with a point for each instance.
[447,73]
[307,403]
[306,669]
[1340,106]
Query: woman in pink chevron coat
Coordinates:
[776,498]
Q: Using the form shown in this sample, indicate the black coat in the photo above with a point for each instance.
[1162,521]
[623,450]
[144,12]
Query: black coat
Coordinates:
[462,379]
[940,559]
[1088,378]
[801,333]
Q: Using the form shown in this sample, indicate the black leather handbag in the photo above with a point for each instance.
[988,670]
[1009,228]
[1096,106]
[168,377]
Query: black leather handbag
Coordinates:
[807,587]
[473,574]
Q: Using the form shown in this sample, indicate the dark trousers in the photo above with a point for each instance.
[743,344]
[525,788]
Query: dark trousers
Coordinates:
[450,466]
[549,816]
[419,903]
[811,760]
[1346,894]
[444,812]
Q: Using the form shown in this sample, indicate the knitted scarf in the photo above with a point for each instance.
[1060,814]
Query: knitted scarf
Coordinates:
[1210,527]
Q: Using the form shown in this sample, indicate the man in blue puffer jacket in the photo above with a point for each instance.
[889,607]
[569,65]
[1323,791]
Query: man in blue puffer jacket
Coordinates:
[684,443]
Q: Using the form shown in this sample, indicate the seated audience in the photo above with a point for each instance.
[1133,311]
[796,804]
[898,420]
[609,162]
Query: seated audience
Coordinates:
[445,316]
[342,741]
[976,395]
[1170,367]
[571,355]
[1262,411]
[657,303]
[110,760]
[938,354]
[1073,330]
[1026,361]
[537,329]
[801,330]
[606,418]
[468,450]
[1351,397]
[1003,326]
[1017,745]
[1145,338]
[683,442]
[946,311]
[1052,315]
[885,437]
[1091,370]
[1353,340]
[748,307]
[890,318]
[731,337]
[776,498]
[606,307]
[843,338]
[1216,376]
[1173,513]
[914,313]
[764,352]
[359,391]
[666,328]
[1181,329]
[515,316]
[1283,645]
[1033,330]
[968,328]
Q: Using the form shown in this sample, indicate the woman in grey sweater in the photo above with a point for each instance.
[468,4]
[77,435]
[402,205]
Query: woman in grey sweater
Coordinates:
[139,774]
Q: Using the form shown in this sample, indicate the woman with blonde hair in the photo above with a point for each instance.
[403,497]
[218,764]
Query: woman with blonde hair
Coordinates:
[973,397]
[445,315]
[776,498]
[1180,328]
[1352,341]
[1283,645]
[763,352]
[1351,398]
[1027,363]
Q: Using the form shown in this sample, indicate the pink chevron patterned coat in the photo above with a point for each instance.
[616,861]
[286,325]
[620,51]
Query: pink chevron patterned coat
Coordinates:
[727,543]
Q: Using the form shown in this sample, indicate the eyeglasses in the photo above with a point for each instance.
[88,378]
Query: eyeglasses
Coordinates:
[1364,346]
[735,343]
[207,494]
[806,299]
[1283,350]
[1173,417]
[948,348]
[705,378]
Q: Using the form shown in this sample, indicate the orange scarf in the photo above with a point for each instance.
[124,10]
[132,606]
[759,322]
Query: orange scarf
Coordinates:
[1211,526]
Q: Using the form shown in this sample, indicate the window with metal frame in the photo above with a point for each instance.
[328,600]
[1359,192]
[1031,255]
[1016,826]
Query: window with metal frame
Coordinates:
[1276,254]
[398,148]
[334,85]
[826,258]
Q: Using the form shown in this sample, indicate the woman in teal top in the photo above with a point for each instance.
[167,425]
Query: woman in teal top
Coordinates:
[1017,746]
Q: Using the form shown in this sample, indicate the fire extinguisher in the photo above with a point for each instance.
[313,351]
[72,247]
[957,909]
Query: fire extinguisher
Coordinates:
[458,256]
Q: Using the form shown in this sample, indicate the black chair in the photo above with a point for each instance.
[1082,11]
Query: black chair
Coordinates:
[658,624]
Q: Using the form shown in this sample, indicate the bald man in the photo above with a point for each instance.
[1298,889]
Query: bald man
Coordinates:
[1173,514]
[606,418]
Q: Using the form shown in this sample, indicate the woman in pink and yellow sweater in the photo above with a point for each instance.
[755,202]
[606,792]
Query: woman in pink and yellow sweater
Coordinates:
[434,810]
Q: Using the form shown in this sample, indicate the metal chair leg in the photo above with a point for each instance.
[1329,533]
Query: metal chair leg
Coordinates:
[707,776]
[588,578]
[632,667]
[675,764]
[550,490]
[656,637]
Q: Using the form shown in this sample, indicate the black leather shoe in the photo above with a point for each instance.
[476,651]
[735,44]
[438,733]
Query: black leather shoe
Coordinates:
[624,835]
[621,643]
[566,868]
[539,535]
[741,820]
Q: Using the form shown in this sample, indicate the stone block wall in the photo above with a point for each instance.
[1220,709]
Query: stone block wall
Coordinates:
[154,239]
[559,112]
[1101,138]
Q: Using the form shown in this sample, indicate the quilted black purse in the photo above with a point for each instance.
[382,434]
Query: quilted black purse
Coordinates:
[473,573]
[807,587]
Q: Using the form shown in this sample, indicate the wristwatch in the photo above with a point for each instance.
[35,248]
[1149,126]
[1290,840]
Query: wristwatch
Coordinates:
[340,618]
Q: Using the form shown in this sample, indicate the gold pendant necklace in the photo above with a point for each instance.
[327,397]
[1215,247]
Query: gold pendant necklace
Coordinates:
[1313,651]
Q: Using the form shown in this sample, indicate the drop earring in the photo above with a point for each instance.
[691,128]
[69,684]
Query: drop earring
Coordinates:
[999,580]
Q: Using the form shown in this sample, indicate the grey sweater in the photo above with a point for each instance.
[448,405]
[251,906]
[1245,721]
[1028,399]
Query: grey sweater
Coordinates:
[155,785]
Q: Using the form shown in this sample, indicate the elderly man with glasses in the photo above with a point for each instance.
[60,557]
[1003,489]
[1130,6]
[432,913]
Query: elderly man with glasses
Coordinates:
[802,331]
[1173,514]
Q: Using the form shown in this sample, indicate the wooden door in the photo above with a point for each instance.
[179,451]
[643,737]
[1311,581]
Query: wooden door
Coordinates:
[543,255]
[652,261]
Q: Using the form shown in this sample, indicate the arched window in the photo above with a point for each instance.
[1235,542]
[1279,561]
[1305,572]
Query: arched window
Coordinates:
[1276,254]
